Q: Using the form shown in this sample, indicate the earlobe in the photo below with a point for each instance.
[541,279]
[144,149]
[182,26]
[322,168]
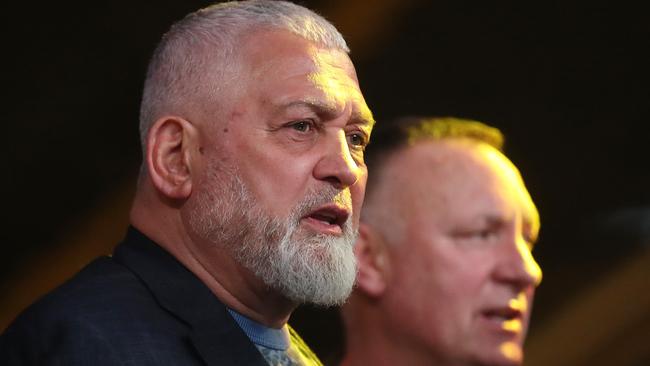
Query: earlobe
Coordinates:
[373,262]
[169,149]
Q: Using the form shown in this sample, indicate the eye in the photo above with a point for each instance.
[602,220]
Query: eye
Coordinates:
[357,139]
[478,235]
[302,126]
[487,234]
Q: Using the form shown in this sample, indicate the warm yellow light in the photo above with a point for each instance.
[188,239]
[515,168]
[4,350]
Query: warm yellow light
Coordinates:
[511,351]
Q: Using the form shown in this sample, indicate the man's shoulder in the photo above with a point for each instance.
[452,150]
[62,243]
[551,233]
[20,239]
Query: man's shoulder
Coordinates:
[103,310]
[103,289]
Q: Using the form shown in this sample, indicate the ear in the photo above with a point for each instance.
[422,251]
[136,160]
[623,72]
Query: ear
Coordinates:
[372,260]
[170,143]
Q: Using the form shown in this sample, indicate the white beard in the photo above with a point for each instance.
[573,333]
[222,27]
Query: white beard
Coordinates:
[305,267]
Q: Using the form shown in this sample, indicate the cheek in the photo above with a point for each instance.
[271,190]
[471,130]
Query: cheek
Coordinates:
[275,179]
[445,280]
[430,281]
[436,300]
[280,185]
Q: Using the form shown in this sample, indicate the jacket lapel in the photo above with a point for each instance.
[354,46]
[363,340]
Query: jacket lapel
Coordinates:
[212,330]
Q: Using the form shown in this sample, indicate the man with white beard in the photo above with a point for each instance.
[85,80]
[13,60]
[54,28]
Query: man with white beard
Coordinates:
[253,128]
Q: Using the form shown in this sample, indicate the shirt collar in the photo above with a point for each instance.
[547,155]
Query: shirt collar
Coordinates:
[262,335]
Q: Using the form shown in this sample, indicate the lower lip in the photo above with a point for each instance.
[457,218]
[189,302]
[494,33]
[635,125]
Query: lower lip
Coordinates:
[512,327]
[322,226]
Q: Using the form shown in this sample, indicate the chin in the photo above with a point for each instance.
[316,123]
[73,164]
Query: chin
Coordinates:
[510,354]
[506,354]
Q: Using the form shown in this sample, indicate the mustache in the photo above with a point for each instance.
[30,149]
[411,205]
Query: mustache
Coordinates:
[318,197]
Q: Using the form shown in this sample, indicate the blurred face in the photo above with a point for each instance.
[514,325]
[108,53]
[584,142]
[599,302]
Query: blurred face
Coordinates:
[462,274]
[285,176]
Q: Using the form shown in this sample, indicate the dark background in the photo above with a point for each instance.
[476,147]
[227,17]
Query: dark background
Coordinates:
[567,83]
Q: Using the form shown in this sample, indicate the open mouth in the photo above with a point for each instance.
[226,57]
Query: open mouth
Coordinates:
[505,319]
[328,219]
[503,314]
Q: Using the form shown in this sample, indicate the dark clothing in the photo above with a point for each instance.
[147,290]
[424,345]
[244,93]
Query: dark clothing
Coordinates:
[138,307]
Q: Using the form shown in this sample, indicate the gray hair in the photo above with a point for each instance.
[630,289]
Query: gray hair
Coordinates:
[189,68]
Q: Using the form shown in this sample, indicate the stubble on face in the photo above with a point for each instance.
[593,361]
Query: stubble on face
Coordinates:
[304,266]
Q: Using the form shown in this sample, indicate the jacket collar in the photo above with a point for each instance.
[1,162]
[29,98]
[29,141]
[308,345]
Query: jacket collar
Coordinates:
[214,333]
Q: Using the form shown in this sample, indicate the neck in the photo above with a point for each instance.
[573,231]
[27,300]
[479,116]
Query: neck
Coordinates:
[234,285]
[374,337]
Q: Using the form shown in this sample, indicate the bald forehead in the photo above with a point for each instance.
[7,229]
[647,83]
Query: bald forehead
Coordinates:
[426,160]
[428,172]
[406,174]
[449,160]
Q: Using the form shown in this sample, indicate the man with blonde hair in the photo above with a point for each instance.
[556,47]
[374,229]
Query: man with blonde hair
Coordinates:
[446,274]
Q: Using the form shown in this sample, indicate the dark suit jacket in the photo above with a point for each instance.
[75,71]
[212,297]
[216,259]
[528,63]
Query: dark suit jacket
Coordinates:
[138,307]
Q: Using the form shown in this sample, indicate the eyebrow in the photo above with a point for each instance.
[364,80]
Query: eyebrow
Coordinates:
[329,109]
[530,229]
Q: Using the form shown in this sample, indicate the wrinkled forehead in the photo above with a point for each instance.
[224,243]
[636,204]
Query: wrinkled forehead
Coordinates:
[279,59]
[334,73]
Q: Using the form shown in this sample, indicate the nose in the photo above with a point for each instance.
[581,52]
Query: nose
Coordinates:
[517,265]
[336,165]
